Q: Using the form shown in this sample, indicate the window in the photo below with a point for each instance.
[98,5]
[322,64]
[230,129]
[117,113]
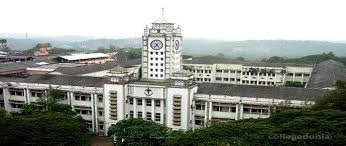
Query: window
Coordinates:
[151,58]
[161,53]
[161,58]
[100,113]
[225,71]
[151,69]
[218,78]
[161,64]
[156,69]
[101,126]
[224,109]
[156,75]
[151,53]
[156,58]
[131,114]
[216,108]
[161,75]
[140,114]
[148,102]
[157,53]
[151,75]
[161,70]
[157,116]
[139,102]
[219,71]
[225,79]
[151,64]
[200,106]
[100,97]
[131,101]
[156,64]
[157,103]
[148,115]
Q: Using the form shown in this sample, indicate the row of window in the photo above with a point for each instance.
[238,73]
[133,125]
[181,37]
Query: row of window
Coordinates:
[148,115]
[80,97]
[156,75]
[201,79]
[156,64]
[156,58]
[89,125]
[260,74]
[298,74]
[148,102]
[157,53]
[255,82]
[226,79]
[87,112]
[228,71]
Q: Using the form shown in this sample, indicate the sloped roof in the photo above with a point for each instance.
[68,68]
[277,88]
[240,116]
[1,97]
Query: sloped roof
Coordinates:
[59,80]
[326,73]
[96,67]
[84,56]
[287,93]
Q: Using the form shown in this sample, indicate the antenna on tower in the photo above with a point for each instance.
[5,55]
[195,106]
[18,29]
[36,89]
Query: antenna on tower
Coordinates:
[26,35]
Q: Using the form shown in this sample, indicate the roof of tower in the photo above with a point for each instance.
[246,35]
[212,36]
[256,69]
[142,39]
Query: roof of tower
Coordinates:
[163,19]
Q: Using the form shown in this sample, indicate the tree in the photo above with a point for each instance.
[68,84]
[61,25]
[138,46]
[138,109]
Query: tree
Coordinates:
[138,132]
[335,99]
[240,58]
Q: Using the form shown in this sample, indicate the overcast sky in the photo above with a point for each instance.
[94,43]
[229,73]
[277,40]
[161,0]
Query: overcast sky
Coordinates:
[212,19]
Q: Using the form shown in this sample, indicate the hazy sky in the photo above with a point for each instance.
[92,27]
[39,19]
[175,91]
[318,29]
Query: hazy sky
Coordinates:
[213,19]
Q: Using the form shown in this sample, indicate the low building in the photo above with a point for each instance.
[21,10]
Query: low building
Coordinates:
[3,44]
[262,74]
[91,58]
[42,49]
[15,59]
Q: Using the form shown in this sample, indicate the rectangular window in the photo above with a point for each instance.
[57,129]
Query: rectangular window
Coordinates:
[131,101]
[140,114]
[139,101]
[148,115]
[157,116]
[216,108]
[157,103]
[148,102]
[131,114]
[218,79]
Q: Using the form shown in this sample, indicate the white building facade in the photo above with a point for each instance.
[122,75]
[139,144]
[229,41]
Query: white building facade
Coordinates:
[165,94]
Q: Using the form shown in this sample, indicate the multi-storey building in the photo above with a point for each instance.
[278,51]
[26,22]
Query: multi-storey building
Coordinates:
[248,73]
[173,99]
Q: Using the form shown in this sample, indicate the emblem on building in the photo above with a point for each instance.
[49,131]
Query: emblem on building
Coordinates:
[148,92]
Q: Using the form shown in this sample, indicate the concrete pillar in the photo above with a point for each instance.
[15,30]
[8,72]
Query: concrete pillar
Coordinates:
[193,114]
[275,78]
[135,108]
[266,83]
[241,77]
[210,110]
[6,95]
[25,96]
[302,78]
[237,112]
[294,77]
[257,79]
[28,95]
[144,112]
[93,117]
[72,100]
[241,112]
[206,113]
[235,78]
[152,109]
[162,108]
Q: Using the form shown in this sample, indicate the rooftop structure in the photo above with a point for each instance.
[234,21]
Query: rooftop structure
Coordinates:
[91,58]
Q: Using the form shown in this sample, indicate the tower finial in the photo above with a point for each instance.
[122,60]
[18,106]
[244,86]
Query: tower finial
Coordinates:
[163,11]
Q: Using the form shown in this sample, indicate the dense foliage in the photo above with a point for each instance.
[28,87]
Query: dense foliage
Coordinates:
[44,123]
[324,124]
[310,59]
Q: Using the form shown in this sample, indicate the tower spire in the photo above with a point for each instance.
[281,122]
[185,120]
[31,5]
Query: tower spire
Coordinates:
[163,11]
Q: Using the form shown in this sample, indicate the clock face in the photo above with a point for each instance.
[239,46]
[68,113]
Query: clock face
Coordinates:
[176,44]
[156,44]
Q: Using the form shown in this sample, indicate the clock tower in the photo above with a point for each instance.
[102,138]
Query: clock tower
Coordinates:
[162,48]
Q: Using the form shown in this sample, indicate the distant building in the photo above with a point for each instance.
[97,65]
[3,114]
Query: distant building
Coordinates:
[3,44]
[262,74]
[92,58]
[15,59]
[42,49]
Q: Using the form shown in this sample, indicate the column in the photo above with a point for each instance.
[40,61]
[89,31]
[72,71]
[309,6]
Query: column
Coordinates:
[257,79]
[210,109]
[235,78]
[294,76]
[284,79]
[6,95]
[241,107]
[72,100]
[193,114]
[135,108]
[25,96]
[152,109]
[162,108]
[274,78]
[302,79]
[93,117]
[206,113]
[237,112]
[28,95]
[266,83]
[144,112]
[241,77]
